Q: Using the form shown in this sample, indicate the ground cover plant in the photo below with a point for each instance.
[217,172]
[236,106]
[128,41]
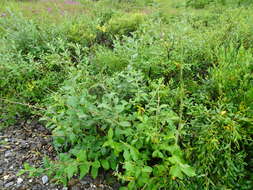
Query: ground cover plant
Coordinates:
[160,93]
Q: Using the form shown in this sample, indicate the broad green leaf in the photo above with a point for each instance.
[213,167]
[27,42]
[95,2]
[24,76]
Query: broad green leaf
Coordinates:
[113,164]
[110,133]
[71,170]
[188,170]
[173,149]
[123,188]
[131,185]
[147,169]
[81,156]
[125,124]
[84,169]
[175,159]
[176,172]
[94,172]
[134,153]
[129,166]
[157,154]
[96,164]
[105,164]
[72,101]
[126,155]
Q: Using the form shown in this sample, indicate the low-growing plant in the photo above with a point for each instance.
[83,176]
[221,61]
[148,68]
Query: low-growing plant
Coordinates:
[33,64]
[124,127]
[124,24]
[81,30]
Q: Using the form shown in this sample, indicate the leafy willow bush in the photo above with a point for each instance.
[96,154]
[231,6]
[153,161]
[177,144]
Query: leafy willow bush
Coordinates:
[33,61]
[200,4]
[120,124]
[81,31]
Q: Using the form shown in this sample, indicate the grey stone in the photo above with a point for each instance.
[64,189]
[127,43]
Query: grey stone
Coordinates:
[84,182]
[7,153]
[75,188]
[64,188]
[7,185]
[1,171]
[44,179]
[19,180]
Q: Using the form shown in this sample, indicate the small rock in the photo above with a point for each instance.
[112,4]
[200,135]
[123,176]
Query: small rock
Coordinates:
[8,184]
[44,179]
[6,177]
[30,180]
[1,171]
[64,188]
[7,153]
[19,180]
[84,182]
[36,187]
[75,188]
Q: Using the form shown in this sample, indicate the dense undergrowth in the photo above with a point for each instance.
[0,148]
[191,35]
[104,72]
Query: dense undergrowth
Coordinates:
[160,93]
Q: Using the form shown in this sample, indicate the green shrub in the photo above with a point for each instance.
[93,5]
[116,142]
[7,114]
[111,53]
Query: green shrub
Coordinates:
[106,60]
[118,124]
[199,4]
[81,30]
[123,24]
[33,64]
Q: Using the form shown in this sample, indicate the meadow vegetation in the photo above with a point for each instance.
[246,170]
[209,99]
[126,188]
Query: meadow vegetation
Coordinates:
[159,92]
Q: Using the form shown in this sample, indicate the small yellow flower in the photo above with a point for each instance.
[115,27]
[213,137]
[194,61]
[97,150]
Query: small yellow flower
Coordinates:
[101,28]
[129,178]
[227,127]
[178,65]
[223,112]
[30,86]
[141,110]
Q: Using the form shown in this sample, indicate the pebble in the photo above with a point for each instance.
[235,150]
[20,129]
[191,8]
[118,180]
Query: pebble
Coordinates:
[6,177]
[44,179]
[75,188]
[84,182]
[64,188]
[7,153]
[8,184]
[1,171]
[19,180]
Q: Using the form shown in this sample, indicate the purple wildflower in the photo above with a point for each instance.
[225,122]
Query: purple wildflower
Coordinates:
[3,14]
[71,2]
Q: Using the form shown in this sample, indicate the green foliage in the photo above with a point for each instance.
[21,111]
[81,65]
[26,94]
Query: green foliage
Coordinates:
[120,123]
[124,24]
[106,60]
[200,4]
[34,61]
[81,31]
[158,93]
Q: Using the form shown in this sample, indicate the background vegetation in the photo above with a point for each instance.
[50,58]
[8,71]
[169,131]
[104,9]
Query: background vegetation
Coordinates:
[159,92]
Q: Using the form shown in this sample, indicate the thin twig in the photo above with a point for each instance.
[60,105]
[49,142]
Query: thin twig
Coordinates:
[23,104]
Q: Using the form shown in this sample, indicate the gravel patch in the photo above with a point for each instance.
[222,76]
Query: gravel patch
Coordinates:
[29,142]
